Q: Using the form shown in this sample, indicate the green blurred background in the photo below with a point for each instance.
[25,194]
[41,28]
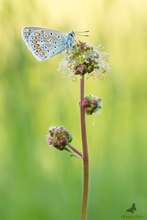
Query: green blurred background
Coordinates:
[38,182]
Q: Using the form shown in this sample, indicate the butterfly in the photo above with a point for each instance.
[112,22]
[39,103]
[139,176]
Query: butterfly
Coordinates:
[45,43]
[132,209]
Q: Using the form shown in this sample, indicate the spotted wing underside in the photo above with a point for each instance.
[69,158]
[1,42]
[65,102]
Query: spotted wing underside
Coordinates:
[44,43]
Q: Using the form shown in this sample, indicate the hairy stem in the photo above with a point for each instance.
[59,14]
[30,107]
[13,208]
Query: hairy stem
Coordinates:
[85,153]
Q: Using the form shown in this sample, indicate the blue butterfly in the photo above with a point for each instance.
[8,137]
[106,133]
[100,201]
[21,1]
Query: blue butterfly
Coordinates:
[45,43]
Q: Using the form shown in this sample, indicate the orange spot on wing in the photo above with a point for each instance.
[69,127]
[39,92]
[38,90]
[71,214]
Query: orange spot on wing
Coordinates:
[36,45]
[38,50]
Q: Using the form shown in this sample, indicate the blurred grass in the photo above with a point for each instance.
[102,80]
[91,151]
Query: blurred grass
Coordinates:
[38,182]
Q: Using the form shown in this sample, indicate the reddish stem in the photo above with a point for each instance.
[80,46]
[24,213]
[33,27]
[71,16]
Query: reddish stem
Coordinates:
[85,153]
[79,154]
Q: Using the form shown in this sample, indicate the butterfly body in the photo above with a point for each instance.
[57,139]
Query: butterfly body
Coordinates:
[45,43]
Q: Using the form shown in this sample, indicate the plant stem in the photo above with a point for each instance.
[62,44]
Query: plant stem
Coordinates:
[85,153]
[79,154]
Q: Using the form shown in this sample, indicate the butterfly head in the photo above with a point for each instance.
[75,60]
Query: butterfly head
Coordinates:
[71,34]
[70,39]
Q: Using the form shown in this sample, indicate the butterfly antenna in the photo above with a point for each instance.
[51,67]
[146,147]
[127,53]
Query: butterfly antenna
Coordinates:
[82,33]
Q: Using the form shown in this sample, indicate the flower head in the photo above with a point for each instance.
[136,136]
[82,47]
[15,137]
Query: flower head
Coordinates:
[91,104]
[84,59]
[58,137]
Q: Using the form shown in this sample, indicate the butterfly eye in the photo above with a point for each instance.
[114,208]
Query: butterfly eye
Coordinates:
[71,34]
[51,33]
[58,36]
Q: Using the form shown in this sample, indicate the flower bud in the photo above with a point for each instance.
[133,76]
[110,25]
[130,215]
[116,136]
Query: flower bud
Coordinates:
[88,110]
[85,102]
[83,59]
[91,104]
[90,68]
[58,137]
[81,69]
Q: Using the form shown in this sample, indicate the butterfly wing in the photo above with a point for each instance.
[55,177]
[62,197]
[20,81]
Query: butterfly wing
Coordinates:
[44,43]
[26,32]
